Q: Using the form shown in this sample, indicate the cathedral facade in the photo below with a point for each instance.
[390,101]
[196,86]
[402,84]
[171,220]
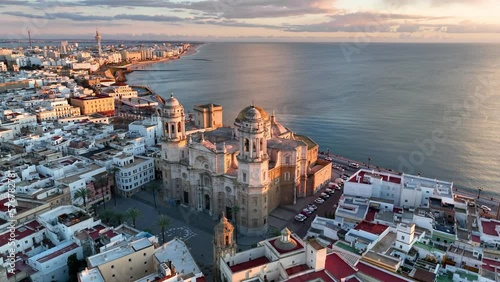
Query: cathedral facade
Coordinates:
[245,171]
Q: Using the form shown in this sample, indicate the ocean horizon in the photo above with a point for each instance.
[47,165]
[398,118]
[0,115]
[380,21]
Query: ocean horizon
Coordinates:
[416,108]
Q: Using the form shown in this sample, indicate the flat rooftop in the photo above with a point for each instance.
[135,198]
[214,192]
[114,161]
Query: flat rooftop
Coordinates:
[490,227]
[114,253]
[178,253]
[57,253]
[359,177]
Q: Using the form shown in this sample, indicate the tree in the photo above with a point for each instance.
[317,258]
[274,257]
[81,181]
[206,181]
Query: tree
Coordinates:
[106,216]
[133,213]
[163,223]
[119,216]
[113,171]
[153,187]
[103,182]
[235,210]
[74,266]
[83,193]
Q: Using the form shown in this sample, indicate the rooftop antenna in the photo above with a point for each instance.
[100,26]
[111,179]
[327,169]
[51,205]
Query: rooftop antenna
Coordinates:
[29,36]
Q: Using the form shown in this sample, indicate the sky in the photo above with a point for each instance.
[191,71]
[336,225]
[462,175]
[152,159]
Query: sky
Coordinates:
[255,20]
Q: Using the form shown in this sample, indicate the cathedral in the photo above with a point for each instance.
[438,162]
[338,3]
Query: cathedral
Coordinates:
[245,171]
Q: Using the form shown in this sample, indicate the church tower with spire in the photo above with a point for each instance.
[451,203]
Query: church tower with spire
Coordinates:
[98,39]
[224,244]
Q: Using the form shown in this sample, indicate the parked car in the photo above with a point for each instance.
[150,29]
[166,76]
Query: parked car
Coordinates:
[329,191]
[485,208]
[304,213]
[319,201]
[313,207]
[324,195]
[354,165]
[329,159]
[300,217]
[308,211]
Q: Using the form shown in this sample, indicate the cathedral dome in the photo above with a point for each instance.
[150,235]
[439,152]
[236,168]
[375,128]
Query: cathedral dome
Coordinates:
[252,114]
[171,102]
[277,129]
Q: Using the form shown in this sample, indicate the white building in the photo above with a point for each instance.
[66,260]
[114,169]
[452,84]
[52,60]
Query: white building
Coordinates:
[150,129]
[408,191]
[52,265]
[135,172]
[119,91]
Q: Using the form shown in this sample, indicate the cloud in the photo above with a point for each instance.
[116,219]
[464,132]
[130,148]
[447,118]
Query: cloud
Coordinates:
[79,17]
[401,3]
[229,9]
[367,22]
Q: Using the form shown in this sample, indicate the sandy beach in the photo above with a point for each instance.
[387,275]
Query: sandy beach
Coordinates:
[191,51]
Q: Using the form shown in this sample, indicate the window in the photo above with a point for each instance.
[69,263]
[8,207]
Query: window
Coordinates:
[287,176]
[244,177]
[287,160]
[112,266]
[406,201]
[129,259]
[402,237]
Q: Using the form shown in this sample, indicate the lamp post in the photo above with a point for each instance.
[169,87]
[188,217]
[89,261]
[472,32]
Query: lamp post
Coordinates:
[369,160]
[479,192]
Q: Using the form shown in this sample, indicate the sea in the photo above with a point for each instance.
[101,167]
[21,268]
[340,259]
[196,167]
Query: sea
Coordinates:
[432,109]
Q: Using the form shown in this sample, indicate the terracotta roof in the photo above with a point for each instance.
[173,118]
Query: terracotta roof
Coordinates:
[373,228]
[378,274]
[312,277]
[338,267]
[249,264]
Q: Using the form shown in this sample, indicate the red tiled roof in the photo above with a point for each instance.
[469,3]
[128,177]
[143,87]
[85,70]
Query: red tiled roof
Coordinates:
[201,279]
[58,253]
[476,239]
[353,279]
[489,227]
[391,178]
[296,269]
[311,277]
[373,228]
[3,207]
[377,273]
[338,267]
[22,231]
[110,233]
[490,264]
[249,264]
[370,215]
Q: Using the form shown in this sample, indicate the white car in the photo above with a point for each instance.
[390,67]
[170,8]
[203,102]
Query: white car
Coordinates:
[329,159]
[354,165]
[300,217]
[312,207]
[319,201]
[485,208]
[329,191]
[308,211]
[324,195]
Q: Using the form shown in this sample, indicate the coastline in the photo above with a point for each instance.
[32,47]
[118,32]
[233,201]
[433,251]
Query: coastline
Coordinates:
[191,51]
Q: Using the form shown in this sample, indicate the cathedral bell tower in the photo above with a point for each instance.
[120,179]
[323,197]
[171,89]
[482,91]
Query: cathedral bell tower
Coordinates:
[253,125]
[224,245]
[174,144]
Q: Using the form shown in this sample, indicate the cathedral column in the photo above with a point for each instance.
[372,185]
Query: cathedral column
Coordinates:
[250,144]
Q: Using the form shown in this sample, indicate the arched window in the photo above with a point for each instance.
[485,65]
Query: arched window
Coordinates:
[179,126]
[246,145]
[261,145]
[167,127]
[173,128]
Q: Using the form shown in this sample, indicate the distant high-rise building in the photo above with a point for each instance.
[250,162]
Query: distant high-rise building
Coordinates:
[98,39]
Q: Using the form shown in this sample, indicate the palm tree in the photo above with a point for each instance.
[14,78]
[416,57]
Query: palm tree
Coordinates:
[133,213]
[103,182]
[106,216]
[235,210]
[163,222]
[113,172]
[83,193]
[119,216]
[153,188]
